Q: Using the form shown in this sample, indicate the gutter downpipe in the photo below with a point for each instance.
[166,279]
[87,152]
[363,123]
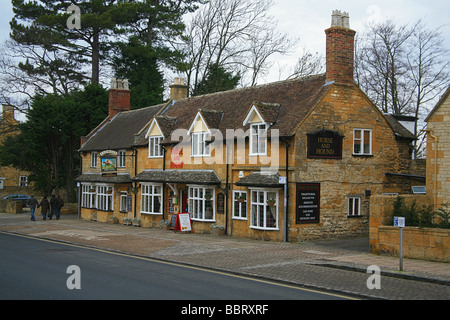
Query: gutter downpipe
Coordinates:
[430,132]
[286,194]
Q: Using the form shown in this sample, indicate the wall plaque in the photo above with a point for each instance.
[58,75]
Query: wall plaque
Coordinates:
[308,203]
[325,144]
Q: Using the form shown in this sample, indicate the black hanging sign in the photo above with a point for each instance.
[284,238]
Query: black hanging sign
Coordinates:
[325,144]
[308,203]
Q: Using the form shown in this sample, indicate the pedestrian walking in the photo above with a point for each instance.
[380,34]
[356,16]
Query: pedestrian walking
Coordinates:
[32,202]
[53,207]
[45,206]
[59,205]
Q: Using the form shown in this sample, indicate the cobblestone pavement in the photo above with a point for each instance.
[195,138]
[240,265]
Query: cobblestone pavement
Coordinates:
[337,266]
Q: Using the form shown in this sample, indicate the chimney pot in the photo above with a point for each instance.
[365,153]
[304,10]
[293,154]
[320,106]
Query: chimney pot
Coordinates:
[119,97]
[178,90]
[340,49]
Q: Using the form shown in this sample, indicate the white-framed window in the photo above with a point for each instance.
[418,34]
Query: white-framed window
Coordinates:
[239,204]
[201,203]
[264,209]
[88,195]
[354,206]
[93,159]
[155,149]
[123,202]
[105,198]
[121,159]
[23,181]
[200,147]
[362,142]
[258,139]
[151,198]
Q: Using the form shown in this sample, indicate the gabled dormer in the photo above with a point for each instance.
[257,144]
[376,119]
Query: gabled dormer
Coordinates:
[259,118]
[204,125]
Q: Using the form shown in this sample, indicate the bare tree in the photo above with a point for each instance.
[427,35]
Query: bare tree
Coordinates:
[429,69]
[307,65]
[236,34]
[403,68]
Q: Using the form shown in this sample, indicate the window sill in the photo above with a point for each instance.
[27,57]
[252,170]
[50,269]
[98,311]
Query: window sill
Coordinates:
[152,213]
[203,220]
[239,218]
[264,229]
[358,216]
[363,155]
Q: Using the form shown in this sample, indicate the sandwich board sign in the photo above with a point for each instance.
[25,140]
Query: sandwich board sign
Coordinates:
[183,223]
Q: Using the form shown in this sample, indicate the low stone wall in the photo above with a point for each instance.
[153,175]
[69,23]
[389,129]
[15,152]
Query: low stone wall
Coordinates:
[418,243]
[10,206]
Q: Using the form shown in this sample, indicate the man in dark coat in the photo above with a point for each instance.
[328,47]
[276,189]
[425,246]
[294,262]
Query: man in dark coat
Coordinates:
[32,202]
[53,207]
[45,205]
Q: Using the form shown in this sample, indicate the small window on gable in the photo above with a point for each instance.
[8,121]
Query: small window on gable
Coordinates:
[362,142]
[155,149]
[258,132]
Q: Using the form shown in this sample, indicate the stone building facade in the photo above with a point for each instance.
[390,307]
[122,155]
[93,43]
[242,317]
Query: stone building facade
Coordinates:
[14,179]
[438,152]
[285,161]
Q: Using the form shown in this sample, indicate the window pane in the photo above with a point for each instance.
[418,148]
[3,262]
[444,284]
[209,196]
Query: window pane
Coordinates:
[367,142]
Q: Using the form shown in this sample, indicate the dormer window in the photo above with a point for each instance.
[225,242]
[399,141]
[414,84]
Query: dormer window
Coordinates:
[258,139]
[155,149]
[200,147]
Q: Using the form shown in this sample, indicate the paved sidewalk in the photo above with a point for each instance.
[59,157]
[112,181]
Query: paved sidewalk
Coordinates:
[337,266]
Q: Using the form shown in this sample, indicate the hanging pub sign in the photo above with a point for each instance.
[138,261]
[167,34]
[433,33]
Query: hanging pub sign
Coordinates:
[108,163]
[325,144]
[308,203]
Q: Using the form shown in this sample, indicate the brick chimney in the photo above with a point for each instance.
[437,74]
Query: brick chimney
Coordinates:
[340,49]
[178,90]
[119,97]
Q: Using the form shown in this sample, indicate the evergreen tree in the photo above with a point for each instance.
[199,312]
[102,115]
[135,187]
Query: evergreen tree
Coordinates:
[48,143]
[217,79]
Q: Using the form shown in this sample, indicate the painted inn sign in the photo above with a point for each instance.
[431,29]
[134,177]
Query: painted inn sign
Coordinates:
[325,144]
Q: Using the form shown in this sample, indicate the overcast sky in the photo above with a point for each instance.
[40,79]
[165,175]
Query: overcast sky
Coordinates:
[307,19]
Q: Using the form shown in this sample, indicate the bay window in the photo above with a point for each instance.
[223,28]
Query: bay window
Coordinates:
[88,195]
[151,198]
[201,203]
[264,209]
[105,198]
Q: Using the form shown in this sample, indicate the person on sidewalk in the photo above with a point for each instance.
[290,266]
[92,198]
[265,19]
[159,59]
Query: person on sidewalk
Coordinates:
[59,205]
[53,207]
[45,205]
[32,202]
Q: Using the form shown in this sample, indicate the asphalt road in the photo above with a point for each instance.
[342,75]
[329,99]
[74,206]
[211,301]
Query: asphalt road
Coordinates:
[36,269]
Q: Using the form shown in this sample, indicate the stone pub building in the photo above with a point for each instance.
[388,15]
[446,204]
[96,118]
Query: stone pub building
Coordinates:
[285,161]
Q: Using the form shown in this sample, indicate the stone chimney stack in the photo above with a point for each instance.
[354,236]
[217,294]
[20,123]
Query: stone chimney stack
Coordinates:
[8,113]
[178,90]
[340,49]
[119,97]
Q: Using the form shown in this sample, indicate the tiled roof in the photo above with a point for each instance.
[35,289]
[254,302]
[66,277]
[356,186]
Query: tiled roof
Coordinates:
[285,103]
[260,179]
[119,132]
[98,177]
[200,177]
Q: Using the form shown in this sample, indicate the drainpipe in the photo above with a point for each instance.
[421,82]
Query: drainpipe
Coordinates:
[430,132]
[135,174]
[286,194]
